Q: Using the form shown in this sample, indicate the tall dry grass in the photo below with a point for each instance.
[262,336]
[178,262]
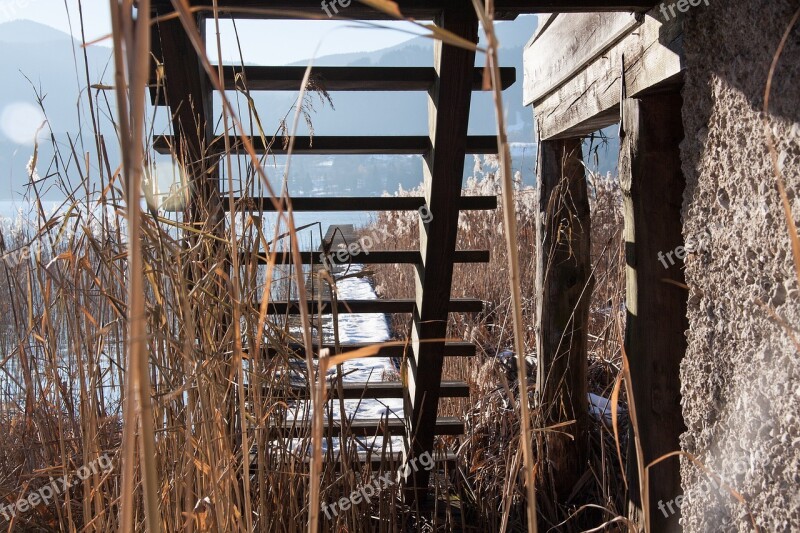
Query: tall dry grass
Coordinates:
[65,336]
[136,332]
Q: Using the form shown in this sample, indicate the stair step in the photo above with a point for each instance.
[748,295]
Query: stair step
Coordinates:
[380,257]
[357,390]
[350,203]
[340,145]
[261,78]
[457,305]
[378,460]
[451,349]
[393,460]
[422,10]
[352,78]
[366,427]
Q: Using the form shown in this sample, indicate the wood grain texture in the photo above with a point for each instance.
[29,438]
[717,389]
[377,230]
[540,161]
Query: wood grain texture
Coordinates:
[419,9]
[360,390]
[400,305]
[652,58]
[188,95]
[361,203]
[448,115]
[336,145]
[564,288]
[375,257]
[570,43]
[451,349]
[279,78]
[652,185]
[368,427]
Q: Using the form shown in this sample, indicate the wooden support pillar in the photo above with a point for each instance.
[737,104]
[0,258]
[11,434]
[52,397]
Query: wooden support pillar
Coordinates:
[652,187]
[564,288]
[449,105]
[189,96]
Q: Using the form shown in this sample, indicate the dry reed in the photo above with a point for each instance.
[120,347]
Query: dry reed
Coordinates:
[207,380]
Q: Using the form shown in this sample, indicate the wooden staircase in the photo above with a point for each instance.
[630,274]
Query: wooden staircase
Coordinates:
[449,84]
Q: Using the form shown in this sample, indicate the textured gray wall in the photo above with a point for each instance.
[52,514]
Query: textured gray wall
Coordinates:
[741,375]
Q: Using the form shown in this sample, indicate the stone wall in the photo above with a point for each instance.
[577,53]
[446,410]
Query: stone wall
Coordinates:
[741,375]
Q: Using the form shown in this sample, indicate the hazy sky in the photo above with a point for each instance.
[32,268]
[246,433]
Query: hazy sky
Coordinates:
[276,42]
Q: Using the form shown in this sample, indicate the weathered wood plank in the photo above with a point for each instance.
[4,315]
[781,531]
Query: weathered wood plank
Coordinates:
[653,60]
[448,116]
[362,390]
[567,45]
[368,427]
[451,349]
[375,257]
[419,9]
[392,460]
[652,184]
[188,94]
[360,203]
[338,145]
[564,288]
[399,306]
[278,78]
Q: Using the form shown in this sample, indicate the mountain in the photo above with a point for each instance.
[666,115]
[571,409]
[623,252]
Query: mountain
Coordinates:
[39,62]
[29,32]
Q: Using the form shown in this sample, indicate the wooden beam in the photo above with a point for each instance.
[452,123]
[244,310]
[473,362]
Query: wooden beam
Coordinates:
[367,427]
[418,9]
[360,203]
[339,145]
[449,106]
[258,78]
[652,59]
[352,78]
[385,461]
[360,390]
[376,257]
[564,288]
[451,349]
[189,99]
[652,186]
[399,306]
[568,44]
[188,95]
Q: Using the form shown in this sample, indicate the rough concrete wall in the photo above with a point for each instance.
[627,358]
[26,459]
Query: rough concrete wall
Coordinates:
[741,375]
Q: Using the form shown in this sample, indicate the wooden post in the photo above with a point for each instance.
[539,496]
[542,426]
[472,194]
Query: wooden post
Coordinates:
[449,105]
[564,288]
[652,186]
[189,96]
